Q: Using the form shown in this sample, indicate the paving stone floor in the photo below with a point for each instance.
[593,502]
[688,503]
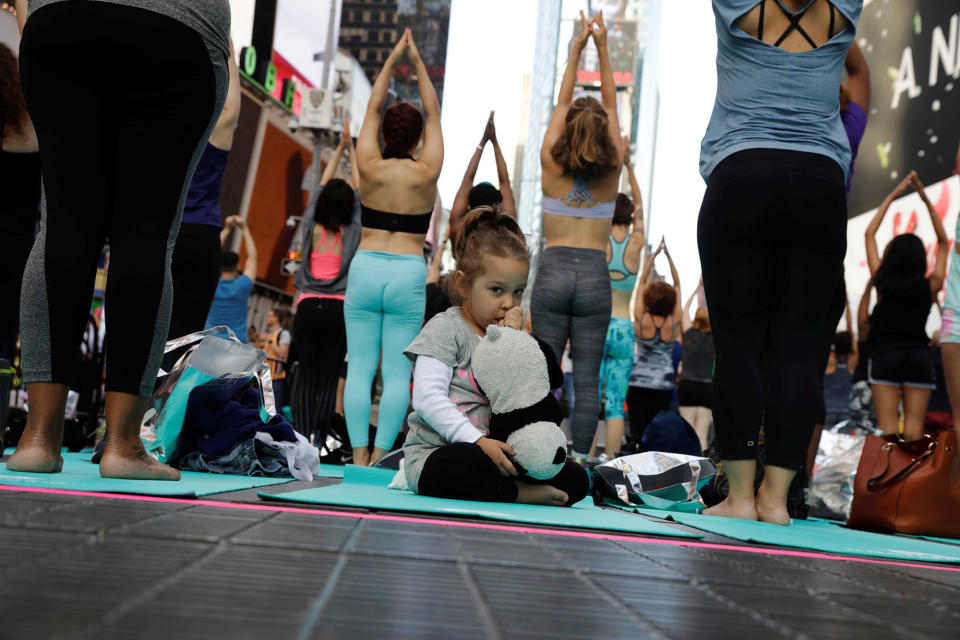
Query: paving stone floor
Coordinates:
[84,567]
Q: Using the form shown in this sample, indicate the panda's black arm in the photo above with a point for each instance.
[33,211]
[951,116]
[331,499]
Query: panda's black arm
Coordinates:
[554,370]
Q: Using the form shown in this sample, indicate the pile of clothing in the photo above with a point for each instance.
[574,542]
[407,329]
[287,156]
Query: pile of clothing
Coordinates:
[226,430]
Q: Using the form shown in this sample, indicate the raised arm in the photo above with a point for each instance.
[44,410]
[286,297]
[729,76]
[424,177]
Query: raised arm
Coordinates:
[20,6]
[368,141]
[863,312]
[222,136]
[678,310]
[608,88]
[228,226]
[939,273]
[873,254]
[638,308]
[565,97]
[509,205]
[635,194]
[858,77]
[331,169]
[250,267]
[352,150]
[432,154]
[461,201]
[686,321]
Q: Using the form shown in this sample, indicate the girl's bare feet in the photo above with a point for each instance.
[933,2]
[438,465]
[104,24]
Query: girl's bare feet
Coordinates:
[134,465]
[540,494]
[743,509]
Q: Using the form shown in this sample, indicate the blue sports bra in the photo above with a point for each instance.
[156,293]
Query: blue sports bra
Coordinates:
[579,195]
[617,265]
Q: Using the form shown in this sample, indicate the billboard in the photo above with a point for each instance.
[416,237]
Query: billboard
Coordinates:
[913,48]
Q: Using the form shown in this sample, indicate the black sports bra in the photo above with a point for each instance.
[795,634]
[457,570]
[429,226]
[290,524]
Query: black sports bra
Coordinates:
[406,223]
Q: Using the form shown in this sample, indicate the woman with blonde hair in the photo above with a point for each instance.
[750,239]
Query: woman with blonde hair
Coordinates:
[581,159]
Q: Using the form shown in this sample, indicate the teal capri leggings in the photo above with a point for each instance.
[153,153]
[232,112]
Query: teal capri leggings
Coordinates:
[384,312]
[616,366]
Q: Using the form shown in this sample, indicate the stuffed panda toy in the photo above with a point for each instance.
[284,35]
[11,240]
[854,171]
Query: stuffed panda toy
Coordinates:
[517,373]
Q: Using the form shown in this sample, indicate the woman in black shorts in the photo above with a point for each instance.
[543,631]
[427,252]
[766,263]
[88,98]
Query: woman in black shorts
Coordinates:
[900,366]
[696,372]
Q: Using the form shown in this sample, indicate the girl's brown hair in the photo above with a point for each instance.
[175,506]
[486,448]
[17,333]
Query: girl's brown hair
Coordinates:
[660,299]
[12,105]
[585,148]
[484,232]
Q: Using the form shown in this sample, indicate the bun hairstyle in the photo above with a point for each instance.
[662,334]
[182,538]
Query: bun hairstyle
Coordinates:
[12,104]
[402,128]
[624,209]
[585,148]
[484,232]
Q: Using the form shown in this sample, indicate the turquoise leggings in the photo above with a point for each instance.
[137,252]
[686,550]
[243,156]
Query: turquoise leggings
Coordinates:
[616,366]
[384,312]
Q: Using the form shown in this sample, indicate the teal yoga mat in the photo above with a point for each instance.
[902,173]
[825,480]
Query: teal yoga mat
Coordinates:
[367,487]
[818,535]
[80,475]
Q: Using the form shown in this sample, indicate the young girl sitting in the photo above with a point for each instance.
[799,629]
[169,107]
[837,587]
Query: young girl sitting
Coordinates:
[447,453]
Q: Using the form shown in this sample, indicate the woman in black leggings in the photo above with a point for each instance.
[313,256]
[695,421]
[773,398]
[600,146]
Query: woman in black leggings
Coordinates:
[772,230]
[331,234]
[118,173]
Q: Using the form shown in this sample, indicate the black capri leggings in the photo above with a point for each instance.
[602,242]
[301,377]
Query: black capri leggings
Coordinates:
[772,236]
[318,348]
[117,158]
[196,273]
[462,471]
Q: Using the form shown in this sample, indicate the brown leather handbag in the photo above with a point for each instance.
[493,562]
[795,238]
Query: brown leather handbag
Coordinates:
[908,487]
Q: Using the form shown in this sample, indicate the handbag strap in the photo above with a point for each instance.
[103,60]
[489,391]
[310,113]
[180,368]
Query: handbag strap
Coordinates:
[876,484]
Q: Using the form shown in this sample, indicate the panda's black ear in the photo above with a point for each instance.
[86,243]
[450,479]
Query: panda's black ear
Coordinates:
[554,370]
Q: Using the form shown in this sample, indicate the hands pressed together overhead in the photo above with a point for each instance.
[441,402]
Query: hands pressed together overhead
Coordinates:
[594,27]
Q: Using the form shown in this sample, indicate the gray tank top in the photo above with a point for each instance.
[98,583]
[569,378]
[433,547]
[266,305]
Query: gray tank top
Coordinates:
[653,362]
[209,18]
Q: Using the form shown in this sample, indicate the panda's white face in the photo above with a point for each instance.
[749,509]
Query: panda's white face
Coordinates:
[511,369]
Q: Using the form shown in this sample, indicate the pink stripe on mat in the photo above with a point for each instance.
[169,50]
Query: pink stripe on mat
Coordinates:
[481,525]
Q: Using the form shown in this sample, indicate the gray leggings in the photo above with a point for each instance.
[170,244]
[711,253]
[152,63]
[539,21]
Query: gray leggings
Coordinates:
[571,300]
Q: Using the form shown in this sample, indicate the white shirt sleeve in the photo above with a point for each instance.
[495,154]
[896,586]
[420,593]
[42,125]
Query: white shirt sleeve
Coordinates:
[431,401]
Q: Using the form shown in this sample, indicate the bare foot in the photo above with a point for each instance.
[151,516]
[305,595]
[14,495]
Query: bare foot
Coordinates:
[771,510]
[540,494]
[38,451]
[361,456]
[131,464]
[742,509]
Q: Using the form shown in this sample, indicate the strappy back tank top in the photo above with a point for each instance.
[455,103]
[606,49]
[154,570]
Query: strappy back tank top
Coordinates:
[326,265]
[653,361]
[579,204]
[618,266]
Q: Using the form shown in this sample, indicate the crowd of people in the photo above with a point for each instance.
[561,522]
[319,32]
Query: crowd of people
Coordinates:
[760,353]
